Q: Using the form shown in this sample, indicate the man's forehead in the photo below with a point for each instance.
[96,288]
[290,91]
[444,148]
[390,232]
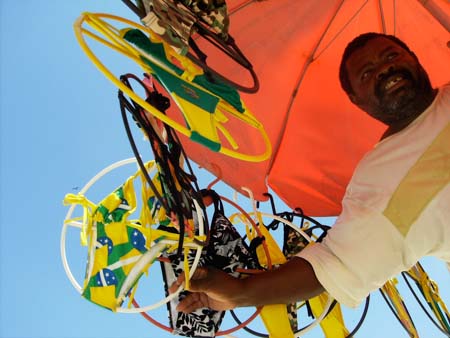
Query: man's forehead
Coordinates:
[372,48]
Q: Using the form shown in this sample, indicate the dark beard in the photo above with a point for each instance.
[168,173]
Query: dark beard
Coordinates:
[408,101]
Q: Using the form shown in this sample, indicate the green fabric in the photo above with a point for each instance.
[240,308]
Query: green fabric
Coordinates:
[138,38]
[116,239]
[221,89]
[121,277]
[185,90]
[118,252]
[117,214]
[226,92]
[214,146]
[101,227]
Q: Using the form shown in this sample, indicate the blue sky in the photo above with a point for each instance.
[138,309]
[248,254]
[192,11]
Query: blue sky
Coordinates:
[60,125]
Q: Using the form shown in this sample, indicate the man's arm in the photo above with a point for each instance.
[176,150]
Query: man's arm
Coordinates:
[293,281]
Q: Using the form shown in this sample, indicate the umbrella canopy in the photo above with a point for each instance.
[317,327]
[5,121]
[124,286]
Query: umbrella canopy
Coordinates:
[318,135]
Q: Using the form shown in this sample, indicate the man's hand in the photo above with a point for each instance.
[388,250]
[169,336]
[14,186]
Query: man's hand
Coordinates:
[292,282]
[210,288]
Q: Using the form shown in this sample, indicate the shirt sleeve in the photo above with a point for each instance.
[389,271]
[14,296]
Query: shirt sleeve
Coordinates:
[358,255]
[364,248]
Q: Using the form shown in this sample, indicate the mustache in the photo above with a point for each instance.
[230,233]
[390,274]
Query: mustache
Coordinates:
[381,83]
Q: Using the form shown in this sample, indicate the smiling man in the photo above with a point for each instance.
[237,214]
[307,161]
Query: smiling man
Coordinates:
[386,80]
[396,209]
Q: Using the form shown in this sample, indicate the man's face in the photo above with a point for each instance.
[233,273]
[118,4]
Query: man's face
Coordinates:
[387,81]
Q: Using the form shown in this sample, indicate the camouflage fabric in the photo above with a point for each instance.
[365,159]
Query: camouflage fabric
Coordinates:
[293,244]
[213,12]
[174,20]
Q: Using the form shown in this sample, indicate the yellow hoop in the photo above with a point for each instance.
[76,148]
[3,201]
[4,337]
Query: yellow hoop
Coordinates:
[115,41]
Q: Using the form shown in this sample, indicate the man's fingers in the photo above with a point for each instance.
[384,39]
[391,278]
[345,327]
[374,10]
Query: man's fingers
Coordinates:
[198,279]
[206,293]
[192,302]
[176,285]
[195,282]
[200,273]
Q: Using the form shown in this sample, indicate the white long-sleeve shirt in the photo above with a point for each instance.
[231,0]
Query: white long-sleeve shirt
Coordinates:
[396,209]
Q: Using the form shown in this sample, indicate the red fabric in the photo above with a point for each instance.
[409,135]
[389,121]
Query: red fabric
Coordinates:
[320,139]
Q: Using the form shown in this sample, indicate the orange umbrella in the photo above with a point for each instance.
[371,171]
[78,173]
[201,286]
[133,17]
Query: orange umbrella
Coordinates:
[317,135]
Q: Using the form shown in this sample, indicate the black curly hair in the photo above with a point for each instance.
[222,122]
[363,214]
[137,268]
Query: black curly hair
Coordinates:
[358,42]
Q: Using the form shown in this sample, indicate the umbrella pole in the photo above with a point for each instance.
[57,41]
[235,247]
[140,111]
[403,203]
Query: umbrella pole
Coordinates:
[437,13]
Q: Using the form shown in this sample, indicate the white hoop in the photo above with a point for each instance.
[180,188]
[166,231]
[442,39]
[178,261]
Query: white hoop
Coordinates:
[149,256]
[191,271]
[308,238]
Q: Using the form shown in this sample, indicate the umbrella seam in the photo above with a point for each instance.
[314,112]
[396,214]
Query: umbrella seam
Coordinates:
[240,6]
[310,59]
[383,22]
